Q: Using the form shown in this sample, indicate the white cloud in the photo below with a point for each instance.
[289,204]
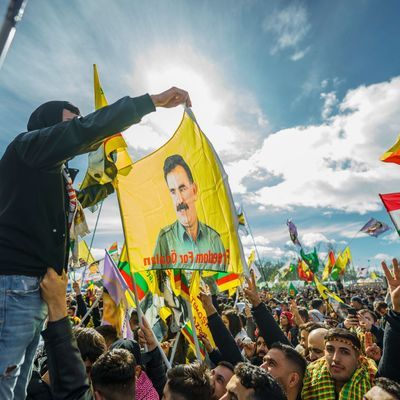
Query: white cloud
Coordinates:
[334,165]
[259,240]
[312,239]
[330,101]
[392,238]
[289,27]
[298,55]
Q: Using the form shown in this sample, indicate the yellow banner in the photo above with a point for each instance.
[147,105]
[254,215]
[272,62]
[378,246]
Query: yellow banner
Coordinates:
[177,209]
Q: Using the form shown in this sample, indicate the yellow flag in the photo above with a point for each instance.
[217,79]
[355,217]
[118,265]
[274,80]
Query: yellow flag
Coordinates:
[110,158]
[343,259]
[325,292]
[177,209]
[85,257]
[374,275]
[393,154]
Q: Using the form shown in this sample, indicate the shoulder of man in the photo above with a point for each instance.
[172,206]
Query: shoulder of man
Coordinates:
[168,228]
[210,231]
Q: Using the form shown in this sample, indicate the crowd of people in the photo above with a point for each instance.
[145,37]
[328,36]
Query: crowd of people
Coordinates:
[274,347]
[268,345]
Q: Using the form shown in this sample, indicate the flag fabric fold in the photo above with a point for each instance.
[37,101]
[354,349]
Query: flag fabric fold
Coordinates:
[311,259]
[328,266]
[393,154]
[342,261]
[391,201]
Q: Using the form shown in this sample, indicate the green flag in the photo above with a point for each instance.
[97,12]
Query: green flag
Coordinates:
[311,259]
[292,290]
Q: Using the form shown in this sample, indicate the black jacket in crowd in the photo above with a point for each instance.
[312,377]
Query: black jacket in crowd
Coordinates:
[33,212]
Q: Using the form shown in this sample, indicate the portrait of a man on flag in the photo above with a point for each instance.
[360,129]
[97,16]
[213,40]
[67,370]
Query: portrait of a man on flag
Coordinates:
[190,239]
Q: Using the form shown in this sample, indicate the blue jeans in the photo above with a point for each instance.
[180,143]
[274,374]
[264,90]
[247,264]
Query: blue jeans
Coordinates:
[22,315]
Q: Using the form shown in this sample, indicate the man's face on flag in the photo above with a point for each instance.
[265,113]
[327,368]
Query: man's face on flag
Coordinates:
[184,195]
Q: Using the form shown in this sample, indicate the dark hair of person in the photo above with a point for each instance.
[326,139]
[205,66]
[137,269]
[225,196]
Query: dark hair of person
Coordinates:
[310,326]
[235,324]
[263,384]
[90,343]
[190,381]
[172,162]
[389,386]
[341,333]
[304,314]
[316,303]
[113,375]
[108,332]
[370,312]
[226,364]
[293,357]
[380,305]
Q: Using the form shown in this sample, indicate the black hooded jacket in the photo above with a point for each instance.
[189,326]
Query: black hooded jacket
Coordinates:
[33,216]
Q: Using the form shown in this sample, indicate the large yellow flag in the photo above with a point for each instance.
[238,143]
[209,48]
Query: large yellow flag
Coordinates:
[110,158]
[177,209]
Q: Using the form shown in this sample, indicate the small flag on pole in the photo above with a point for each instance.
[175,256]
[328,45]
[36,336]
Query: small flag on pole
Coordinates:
[374,228]
[391,201]
[293,232]
[292,290]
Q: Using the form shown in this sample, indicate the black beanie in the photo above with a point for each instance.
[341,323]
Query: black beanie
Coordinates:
[49,114]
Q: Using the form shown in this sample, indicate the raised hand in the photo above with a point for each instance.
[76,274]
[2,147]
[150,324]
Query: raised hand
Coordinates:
[206,300]
[393,279]
[171,98]
[251,291]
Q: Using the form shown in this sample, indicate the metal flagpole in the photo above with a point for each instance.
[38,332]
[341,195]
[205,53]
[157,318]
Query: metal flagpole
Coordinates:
[14,14]
[252,237]
[174,347]
[91,308]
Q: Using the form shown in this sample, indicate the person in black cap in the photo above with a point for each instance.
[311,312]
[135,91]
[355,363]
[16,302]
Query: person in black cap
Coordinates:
[39,211]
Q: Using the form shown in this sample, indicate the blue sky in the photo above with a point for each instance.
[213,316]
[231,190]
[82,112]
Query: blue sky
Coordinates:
[299,99]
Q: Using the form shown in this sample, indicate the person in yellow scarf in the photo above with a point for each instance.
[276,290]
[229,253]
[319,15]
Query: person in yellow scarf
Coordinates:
[343,373]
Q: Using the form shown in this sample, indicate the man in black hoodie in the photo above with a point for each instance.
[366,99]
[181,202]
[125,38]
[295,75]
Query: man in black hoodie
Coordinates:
[37,208]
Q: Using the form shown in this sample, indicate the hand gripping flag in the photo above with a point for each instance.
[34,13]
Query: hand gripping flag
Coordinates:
[374,228]
[391,201]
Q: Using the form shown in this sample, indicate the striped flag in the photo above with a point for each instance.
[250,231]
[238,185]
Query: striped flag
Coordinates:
[227,281]
[188,333]
[113,248]
[391,201]
[145,280]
